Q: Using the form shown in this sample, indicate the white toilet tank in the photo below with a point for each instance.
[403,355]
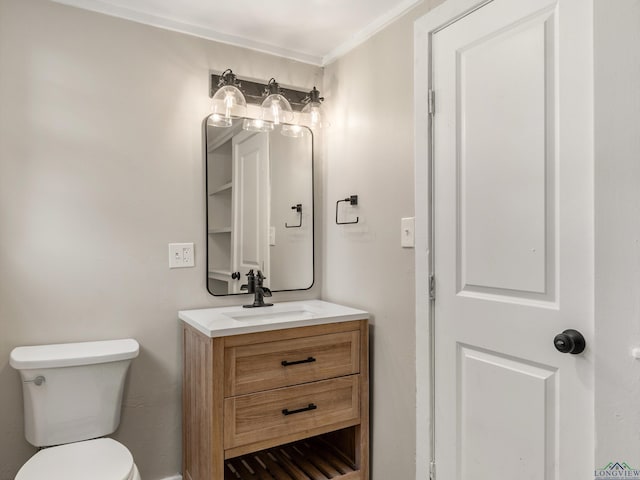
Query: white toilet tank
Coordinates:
[72,391]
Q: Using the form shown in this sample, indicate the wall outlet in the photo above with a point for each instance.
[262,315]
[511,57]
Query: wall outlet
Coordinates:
[181,255]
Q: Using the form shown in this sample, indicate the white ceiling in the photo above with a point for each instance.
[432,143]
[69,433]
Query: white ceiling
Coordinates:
[311,31]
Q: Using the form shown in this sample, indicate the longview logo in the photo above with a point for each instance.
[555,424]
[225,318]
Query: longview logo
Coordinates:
[617,470]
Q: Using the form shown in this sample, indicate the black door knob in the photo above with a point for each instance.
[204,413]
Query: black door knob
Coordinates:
[570,341]
[235,275]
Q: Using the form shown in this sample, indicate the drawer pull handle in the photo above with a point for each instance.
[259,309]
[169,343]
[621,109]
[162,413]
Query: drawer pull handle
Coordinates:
[284,363]
[312,406]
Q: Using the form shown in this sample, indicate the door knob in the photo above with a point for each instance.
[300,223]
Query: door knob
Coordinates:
[235,275]
[570,341]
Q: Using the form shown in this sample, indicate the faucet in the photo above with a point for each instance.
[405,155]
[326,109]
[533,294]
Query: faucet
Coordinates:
[254,285]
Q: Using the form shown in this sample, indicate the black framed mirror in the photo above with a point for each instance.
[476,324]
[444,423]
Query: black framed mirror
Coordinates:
[259,203]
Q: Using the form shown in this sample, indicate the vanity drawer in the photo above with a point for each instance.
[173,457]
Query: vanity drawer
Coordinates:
[265,366]
[292,410]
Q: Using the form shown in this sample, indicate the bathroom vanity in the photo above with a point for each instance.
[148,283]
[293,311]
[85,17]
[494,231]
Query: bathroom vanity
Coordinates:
[276,393]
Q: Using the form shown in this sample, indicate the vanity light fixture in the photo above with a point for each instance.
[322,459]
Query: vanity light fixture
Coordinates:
[228,101]
[277,104]
[312,110]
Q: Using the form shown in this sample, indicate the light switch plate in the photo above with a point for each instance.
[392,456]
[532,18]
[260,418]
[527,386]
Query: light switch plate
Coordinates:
[181,255]
[407,233]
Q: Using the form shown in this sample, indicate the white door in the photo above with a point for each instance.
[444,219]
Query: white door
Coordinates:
[250,205]
[513,245]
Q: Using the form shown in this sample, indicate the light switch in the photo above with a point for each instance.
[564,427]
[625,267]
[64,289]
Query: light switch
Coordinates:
[272,236]
[181,255]
[407,234]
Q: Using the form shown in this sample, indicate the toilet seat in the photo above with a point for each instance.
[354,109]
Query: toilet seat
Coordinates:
[100,459]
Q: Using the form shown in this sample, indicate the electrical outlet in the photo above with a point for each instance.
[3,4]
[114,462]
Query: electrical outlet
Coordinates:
[181,255]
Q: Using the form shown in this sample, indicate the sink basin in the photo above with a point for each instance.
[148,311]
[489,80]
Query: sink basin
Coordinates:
[224,321]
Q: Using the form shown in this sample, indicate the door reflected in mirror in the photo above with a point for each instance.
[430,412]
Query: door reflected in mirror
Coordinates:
[259,207]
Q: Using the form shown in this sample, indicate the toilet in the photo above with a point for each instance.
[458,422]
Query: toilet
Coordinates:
[72,399]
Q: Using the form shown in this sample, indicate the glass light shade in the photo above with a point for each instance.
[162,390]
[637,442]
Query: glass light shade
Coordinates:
[276,109]
[256,125]
[312,114]
[217,120]
[228,102]
[295,131]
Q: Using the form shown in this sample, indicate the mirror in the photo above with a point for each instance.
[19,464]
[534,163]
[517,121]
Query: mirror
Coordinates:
[259,207]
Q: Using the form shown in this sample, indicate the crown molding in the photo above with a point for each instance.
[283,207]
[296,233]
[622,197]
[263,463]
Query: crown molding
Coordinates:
[358,38]
[137,16]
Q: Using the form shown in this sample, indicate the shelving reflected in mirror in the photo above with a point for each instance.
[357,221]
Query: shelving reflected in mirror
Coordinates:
[259,194]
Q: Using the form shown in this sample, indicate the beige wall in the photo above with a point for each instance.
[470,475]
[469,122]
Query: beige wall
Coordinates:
[369,152]
[101,166]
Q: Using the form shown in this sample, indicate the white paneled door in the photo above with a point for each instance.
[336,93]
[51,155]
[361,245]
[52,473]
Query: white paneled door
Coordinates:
[512,245]
[250,205]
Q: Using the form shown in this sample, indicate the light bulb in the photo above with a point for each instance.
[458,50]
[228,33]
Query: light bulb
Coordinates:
[275,111]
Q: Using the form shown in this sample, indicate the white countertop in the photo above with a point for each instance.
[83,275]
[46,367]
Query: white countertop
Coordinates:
[225,321]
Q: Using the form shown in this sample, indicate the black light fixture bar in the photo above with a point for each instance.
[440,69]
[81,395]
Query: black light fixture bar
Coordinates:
[254,92]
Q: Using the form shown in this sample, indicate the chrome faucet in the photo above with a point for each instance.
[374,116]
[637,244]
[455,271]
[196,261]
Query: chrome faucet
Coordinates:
[254,285]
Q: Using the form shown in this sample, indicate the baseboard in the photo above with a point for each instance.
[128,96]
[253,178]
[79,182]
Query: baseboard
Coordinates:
[175,477]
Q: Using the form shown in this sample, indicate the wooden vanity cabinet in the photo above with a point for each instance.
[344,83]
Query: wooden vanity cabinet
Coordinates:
[288,404]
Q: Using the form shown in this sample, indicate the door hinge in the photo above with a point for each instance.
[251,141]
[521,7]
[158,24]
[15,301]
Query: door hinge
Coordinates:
[432,471]
[431,102]
[432,287]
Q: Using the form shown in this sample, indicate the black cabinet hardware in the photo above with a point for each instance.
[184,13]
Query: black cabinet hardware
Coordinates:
[284,363]
[311,406]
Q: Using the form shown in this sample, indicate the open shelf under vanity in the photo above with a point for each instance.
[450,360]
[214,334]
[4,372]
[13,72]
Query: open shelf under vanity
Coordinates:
[310,459]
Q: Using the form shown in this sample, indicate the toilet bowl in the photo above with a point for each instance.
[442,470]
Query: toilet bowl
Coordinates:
[100,459]
[72,399]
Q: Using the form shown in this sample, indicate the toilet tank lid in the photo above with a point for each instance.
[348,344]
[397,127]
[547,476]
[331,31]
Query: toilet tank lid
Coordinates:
[73,354]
